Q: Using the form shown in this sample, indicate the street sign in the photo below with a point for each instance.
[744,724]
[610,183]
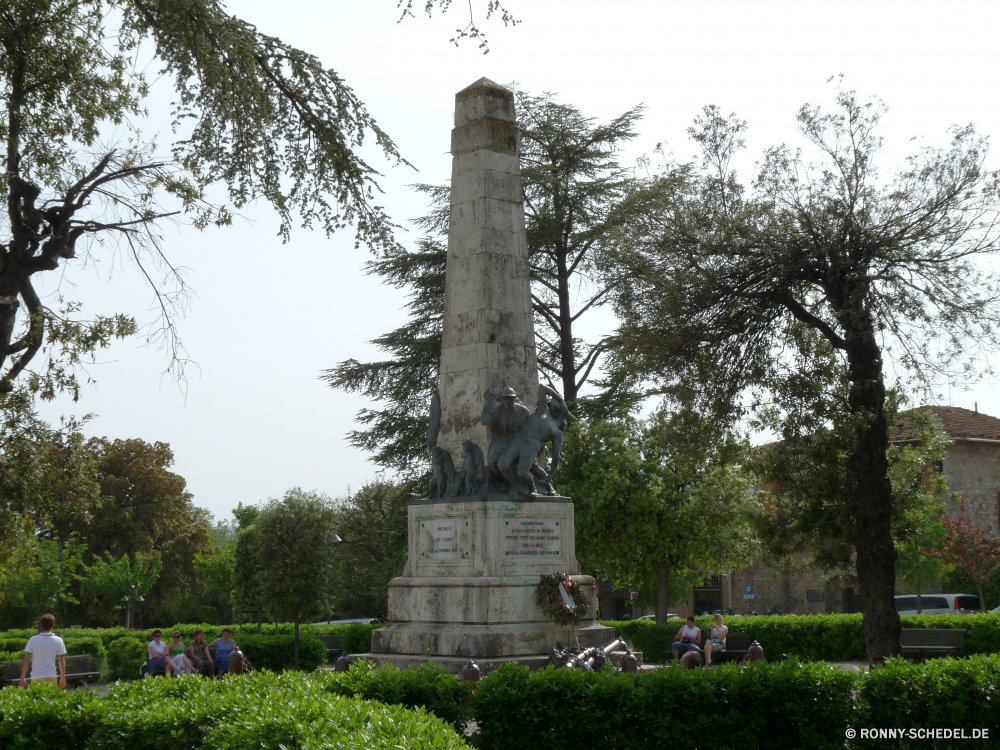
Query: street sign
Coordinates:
[633,594]
[748,592]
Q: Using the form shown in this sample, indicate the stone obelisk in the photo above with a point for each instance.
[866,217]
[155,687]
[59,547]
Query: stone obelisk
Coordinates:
[488,336]
[476,551]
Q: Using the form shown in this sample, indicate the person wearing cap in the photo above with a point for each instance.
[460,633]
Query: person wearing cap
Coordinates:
[506,418]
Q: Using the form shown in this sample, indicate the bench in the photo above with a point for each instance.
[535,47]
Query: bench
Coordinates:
[932,641]
[79,670]
[737,645]
[162,672]
[334,646]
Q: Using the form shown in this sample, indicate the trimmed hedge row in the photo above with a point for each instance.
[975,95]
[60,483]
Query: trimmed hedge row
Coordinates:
[810,637]
[775,706]
[264,710]
[762,705]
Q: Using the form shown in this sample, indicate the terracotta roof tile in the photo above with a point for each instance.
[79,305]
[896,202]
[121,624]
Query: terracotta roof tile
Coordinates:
[958,423]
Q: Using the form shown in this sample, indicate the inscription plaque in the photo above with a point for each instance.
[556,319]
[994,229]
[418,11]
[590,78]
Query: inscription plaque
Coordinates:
[532,539]
[444,539]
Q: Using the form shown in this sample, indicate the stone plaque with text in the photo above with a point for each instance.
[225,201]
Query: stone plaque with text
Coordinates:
[444,539]
[527,539]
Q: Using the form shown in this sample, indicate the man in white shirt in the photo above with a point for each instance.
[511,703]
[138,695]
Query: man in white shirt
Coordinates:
[41,653]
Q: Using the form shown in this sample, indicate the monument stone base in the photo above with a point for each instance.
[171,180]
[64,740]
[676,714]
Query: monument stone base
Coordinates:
[468,589]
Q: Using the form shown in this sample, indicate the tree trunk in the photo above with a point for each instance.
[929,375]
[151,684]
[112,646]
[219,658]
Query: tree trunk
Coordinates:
[870,488]
[260,623]
[566,348]
[296,645]
[662,605]
[920,598]
[982,599]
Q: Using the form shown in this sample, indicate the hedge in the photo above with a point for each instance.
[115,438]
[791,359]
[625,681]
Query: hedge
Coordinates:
[277,652]
[811,637]
[427,686]
[761,705]
[125,657]
[264,711]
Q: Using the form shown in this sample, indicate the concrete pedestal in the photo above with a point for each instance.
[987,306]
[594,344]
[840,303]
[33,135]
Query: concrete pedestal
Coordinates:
[468,589]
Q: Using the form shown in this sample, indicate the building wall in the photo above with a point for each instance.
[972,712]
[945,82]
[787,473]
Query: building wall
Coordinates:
[973,471]
[775,592]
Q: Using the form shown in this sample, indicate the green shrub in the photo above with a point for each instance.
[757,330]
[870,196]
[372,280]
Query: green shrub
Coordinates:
[277,652]
[124,657]
[427,686]
[813,637]
[358,638]
[941,693]
[264,710]
[46,717]
[785,705]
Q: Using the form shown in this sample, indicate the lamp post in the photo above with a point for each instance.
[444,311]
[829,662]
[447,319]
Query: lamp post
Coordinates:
[129,600]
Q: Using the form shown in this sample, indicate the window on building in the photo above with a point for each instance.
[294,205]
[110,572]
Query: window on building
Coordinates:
[814,596]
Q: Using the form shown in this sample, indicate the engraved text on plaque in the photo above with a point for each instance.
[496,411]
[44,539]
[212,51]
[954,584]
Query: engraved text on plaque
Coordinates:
[532,539]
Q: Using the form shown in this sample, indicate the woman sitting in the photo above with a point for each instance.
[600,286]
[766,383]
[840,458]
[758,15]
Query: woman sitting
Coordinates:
[223,650]
[181,664]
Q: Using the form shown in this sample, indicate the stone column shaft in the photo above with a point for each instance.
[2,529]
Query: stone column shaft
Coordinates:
[488,334]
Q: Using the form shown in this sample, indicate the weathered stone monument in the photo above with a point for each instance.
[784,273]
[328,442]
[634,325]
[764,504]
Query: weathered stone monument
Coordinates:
[492,523]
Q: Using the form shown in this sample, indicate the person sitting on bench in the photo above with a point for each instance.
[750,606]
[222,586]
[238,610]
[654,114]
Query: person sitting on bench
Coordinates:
[223,649]
[178,657]
[158,655]
[716,640]
[199,654]
[688,639]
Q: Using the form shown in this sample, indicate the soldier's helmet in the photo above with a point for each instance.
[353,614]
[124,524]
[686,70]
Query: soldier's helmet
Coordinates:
[508,392]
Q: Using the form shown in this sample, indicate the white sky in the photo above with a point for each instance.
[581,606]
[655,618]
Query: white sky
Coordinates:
[269,317]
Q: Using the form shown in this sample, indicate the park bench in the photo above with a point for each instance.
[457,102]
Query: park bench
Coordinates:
[334,646]
[931,641]
[736,647]
[162,671]
[79,670]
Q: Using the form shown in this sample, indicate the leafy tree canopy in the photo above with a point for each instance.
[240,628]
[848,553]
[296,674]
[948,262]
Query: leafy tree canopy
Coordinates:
[373,524]
[575,192]
[660,505]
[720,275]
[45,472]
[295,542]
[251,113]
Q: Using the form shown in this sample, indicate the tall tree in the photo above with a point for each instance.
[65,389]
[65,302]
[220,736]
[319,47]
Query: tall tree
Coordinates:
[45,472]
[41,580]
[574,188]
[114,580]
[659,505]
[373,525]
[251,113]
[295,537]
[145,508]
[719,276]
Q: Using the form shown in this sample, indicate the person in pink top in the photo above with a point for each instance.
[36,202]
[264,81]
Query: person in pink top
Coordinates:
[41,653]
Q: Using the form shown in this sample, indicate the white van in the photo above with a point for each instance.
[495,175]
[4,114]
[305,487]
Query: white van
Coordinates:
[937,604]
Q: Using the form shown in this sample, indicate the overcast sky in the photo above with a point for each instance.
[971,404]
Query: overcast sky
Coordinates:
[267,317]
